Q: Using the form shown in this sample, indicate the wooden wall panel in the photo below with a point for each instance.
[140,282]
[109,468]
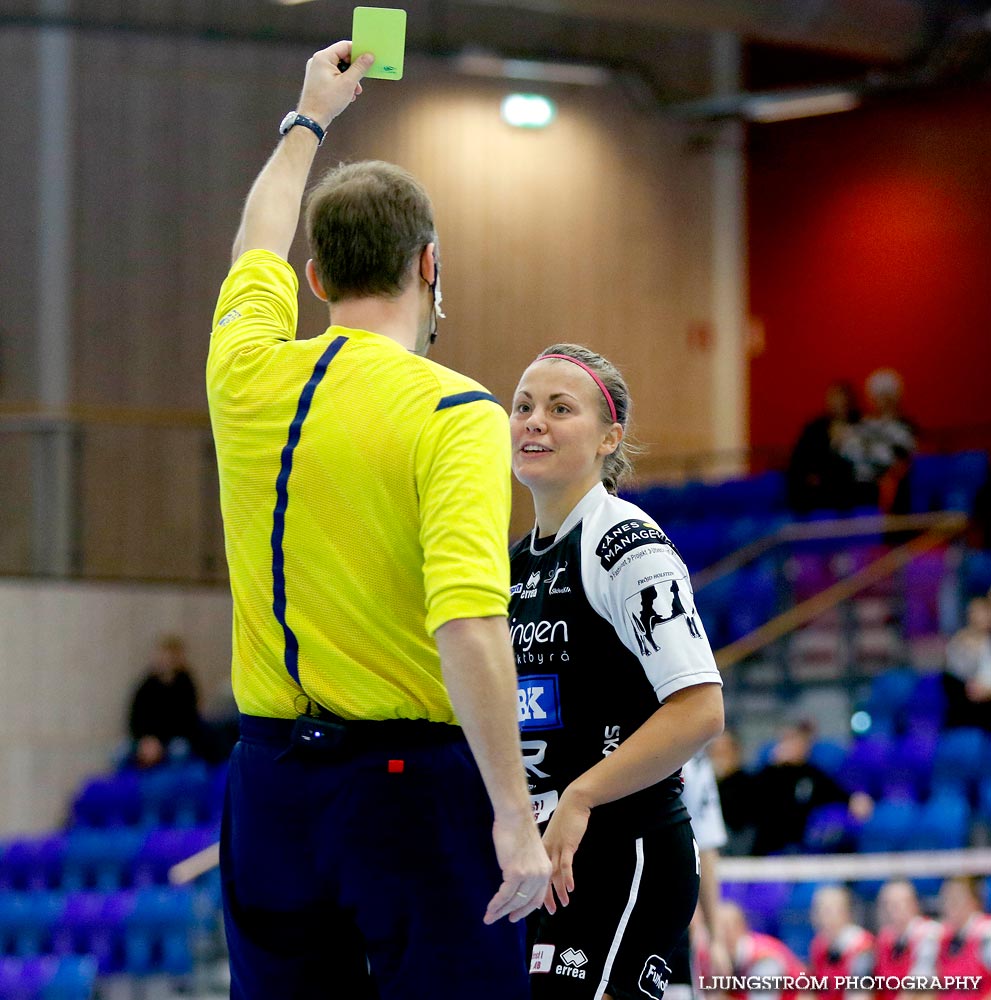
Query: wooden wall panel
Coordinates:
[595,230]
[18,184]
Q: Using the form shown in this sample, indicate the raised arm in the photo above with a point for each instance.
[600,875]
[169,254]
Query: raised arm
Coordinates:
[271,212]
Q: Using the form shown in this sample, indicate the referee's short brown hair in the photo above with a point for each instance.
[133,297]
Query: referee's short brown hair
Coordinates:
[366,224]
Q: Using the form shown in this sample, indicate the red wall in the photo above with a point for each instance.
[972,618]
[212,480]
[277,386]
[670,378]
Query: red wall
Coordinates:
[870,246]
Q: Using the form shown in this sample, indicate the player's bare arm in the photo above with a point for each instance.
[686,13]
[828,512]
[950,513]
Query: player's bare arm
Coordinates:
[682,726]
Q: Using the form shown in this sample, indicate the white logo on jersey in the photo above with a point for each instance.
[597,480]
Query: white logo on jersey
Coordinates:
[552,581]
[524,636]
[534,751]
[610,740]
[533,581]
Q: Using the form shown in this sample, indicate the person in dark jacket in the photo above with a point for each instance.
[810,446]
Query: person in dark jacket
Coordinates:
[165,705]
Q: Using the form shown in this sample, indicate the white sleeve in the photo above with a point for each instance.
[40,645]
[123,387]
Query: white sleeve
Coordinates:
[634,578]
[701,798]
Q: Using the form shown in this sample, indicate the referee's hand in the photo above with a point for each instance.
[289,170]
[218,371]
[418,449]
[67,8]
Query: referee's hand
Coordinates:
[526,869]
[326,90]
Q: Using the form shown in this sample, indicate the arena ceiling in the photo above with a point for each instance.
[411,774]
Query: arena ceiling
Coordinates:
[662,46]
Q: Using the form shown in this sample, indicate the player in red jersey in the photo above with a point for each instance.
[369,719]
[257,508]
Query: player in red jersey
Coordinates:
[754,954]
[965,947]
[907,942]
[841,948]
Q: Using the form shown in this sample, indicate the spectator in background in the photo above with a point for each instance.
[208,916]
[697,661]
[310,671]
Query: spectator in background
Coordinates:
[735,791]
[754,954]
[907,942]
[965,946]
[881,446]
[840,948]
[785,791]
[967,677]
[165,705]
[820,476]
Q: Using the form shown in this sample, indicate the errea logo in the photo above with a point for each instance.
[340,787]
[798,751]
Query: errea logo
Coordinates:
[572,961]
[530,588]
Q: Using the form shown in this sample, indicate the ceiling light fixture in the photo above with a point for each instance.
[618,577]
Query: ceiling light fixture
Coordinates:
[484,64]
[528,111]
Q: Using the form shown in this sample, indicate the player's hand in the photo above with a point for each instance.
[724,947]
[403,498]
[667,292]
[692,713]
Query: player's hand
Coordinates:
[326,90]
[561,839]
[525,868]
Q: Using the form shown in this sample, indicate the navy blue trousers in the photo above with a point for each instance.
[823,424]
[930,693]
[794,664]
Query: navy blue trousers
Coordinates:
[350,878]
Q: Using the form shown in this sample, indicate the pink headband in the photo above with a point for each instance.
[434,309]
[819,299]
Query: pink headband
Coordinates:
[598,381]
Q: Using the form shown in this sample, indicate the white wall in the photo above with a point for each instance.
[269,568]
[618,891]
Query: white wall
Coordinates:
[70,657]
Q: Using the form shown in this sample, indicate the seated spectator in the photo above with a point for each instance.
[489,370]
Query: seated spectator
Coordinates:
[164,707]
[881,446]
[820,476]
[753,954]
[840,947]
[785,791]
[735,792]
[907,942]
[965,947]
[967,678]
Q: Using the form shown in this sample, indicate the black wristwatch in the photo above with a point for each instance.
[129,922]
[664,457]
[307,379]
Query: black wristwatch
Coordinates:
[295,118]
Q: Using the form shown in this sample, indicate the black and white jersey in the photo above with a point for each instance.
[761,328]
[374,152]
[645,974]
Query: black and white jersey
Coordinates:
[604,629]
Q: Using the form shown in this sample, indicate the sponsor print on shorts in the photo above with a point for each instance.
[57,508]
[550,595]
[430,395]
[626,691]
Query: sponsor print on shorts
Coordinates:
[572,963]
[654,606]
[542,958]
[655,977]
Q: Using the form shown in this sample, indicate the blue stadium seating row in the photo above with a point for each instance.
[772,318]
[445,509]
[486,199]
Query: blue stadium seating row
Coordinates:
[936,482]
[100,859]
[176,794]
[47,978]
[138,931]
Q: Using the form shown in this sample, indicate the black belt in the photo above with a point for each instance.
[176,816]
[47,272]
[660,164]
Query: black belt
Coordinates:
[335,736]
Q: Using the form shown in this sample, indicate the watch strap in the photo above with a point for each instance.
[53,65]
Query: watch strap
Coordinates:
[309,123]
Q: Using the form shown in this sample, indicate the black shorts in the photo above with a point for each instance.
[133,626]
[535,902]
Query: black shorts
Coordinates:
[632,903]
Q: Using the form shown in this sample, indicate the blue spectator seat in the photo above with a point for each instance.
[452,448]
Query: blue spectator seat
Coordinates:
[763,902]
[828,756]
[158,934]
[867,762]
[926,708]
[170,793]
[33,863]
[108,802]
[890,826]
[101,858]
[72,978]
[959,759]
[754,601]
[947,482]
[943,825]
[890,693]
[910,771]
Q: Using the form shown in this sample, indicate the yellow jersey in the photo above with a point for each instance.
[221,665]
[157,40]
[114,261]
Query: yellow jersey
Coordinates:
[365,493]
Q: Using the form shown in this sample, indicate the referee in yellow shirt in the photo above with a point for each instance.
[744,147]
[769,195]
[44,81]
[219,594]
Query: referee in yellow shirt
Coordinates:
[377,826]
